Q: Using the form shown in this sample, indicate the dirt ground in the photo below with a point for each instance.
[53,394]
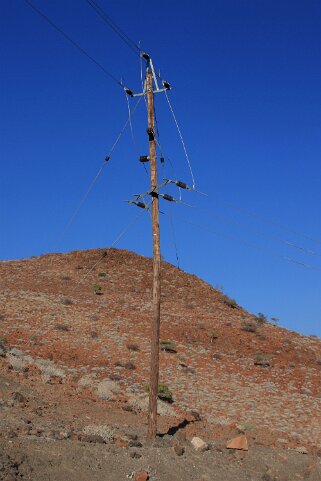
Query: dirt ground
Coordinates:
[49,433]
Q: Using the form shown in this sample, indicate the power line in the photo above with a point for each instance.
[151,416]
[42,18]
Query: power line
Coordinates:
[93,182]
[181,137]
[265,235]
[248,244]
[272,222]
[75,44]
[110,22]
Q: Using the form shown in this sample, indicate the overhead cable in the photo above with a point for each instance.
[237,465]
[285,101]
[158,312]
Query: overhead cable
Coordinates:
[110,22]
[75,44]
[93,182]
[181,137]
[251,245]
[265,220]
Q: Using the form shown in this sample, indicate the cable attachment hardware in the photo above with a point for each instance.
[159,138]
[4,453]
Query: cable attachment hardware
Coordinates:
[162,160]
[144,158]
[129,92]
[146,56]
[107,158]
[166,85]
[151,134]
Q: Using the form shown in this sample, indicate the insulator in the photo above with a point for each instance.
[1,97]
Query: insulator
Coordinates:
[143,158]
[145,56]
[181,184]
[166,85]
[168,197]
[129,92]
[154,194]
[140,204]
[107,158]
[162,160]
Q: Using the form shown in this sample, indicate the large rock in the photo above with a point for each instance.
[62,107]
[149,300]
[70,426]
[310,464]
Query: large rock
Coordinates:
[199,445]
[240,442]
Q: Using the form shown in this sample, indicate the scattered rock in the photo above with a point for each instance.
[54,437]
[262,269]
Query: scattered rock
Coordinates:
[301,450]
[17,396]
[179,450]
[93,438]
[240,442]
[135,444]
[199,445]
[135,455]
[141,476]
[121,443]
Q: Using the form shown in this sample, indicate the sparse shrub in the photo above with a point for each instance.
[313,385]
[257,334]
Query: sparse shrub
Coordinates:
[130,366]
[213,336]
[97,289]
[132,347]
[261,318]
[163,392]
[217,357]
[118,364]
[65,278]
[79,267]
[314,336]
[102,274]
[114,377]
[275,320]
[261,359]
[67,302]
[94,334]
[249,327]
[228,301]
[62,327]
[167,346]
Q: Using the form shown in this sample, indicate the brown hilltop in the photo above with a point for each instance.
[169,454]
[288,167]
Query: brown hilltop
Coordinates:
[226,365]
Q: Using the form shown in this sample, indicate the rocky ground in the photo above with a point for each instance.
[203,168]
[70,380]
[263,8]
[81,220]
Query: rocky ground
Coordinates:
[74,368]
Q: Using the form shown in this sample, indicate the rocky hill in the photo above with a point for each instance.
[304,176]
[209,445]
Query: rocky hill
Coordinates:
[75,330]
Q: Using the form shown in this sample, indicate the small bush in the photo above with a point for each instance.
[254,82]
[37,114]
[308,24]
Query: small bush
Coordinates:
[228,301]
[94,334]
[67,302]
[261,359]
[79,267]
[213,336]
[65,278]
[97,289]
[167,346]
[114,377]
[249,327]
[118,364]
[132,347]
[62,327]
[217,357]
[130,366]
[102,274]
[275,320]
[163,392]
[261,318]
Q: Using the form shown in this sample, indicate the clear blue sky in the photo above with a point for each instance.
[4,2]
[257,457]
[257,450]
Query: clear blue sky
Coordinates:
[246,79]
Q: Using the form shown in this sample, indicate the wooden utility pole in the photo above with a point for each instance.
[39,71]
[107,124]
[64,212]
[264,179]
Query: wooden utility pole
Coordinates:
[155,327]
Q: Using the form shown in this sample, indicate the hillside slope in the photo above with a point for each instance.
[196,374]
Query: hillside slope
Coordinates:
[224,364]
